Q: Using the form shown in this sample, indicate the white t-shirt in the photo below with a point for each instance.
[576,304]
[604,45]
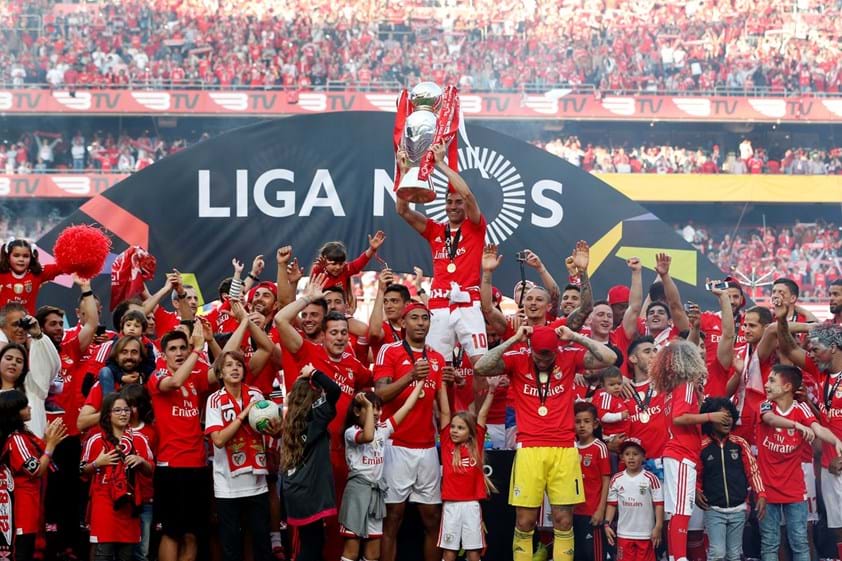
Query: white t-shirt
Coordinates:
[225,486]
[367,459]
[635,497]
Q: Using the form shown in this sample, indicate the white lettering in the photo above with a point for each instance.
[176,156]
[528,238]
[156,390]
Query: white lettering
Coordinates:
[205,209]
[331,201]
[287,198]
[184,412]
[543,201]
[383,183]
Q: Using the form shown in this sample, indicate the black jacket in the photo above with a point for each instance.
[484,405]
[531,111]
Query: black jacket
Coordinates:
[726,471]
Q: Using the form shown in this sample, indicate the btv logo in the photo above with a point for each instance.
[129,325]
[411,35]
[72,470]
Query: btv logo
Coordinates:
[500,186]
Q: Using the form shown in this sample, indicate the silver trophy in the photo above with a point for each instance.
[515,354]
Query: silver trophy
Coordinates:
[418,135]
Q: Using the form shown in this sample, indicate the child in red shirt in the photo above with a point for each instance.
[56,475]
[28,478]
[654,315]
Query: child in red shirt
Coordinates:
[610,405]
[596,475]
[463,480]
[21,274]
[332,260]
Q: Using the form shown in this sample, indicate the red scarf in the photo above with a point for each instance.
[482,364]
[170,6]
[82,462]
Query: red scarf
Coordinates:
[246,452]
[7,485]
[120,478]
[128,272]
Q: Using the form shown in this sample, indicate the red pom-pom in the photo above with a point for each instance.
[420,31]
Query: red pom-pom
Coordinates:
[82,250]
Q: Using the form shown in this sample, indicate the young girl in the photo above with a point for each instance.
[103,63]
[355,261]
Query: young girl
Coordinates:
[239,461]
[306,472]
[332,260]
[678,371]
[21,275]
[142,422]
[111,459]
[463,480]
[29,458]
[365,436]
[596,474]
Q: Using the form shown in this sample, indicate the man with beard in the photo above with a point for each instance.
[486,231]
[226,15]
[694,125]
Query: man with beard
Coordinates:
[412,471]
[456,248]
[329,355]
[618,299]
[710,323]
[263,366]
[835,295]
[63,498]
[124,362]
[822,366]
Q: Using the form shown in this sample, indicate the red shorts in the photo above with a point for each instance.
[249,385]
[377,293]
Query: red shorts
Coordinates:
[635,550]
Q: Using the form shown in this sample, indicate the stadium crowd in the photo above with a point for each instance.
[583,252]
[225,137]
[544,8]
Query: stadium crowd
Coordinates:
[733,46]
[739,159]
[649,424]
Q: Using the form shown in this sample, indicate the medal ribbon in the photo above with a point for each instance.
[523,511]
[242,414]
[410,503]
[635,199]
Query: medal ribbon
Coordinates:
[458,353]
[447,127]
[404,110]
[830,392]
[543,389]
[451,246]
[644,405]
[408,350]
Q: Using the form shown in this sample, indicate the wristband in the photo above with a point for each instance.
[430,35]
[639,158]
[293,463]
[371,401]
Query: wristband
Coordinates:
[708,417]
[87,293]
[253,277]
[48,454]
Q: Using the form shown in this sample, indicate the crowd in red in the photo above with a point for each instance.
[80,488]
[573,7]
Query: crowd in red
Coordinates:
[808,253]
[648,158]
[613,45]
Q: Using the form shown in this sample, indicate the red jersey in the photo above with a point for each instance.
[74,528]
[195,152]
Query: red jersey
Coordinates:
[264,379]
[685,441]
[23,452]
[830,406]
[182,443]
[595,465]
[710,324]
[465,482]
[165,321]
[394,361]
[70,398]
[469,241]
[620,340]
[23,289]
[654,433]
[143,483]
[343,279]
[779,454]
[557,427]
[347,372]
[747,400]
[608,404]
[717,381]
[221,319]
[107,523]
[391,334]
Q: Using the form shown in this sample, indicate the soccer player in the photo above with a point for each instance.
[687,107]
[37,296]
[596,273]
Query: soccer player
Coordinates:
[384,325]
[457,247]
[541,377]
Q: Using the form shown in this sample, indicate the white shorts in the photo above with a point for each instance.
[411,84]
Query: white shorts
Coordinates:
[464,324]
[679,486]
[413,474]
[461,526]
[497,435]
[832,495]
[812,496]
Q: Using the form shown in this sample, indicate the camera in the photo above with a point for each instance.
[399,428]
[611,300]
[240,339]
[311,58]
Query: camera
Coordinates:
[717,285]
[26,322]
[521,256]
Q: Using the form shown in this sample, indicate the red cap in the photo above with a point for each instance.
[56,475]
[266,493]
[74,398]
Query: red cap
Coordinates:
[496,295]
[270,286]
[544,339]
[618,294]
[414,306]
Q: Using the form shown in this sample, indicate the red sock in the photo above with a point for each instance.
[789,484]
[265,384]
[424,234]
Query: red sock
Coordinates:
[839,549]
[696,550]
[677,545]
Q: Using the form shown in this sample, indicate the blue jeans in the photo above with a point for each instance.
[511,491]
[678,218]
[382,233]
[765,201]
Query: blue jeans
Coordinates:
[141,550]
[796,531]
[725,534]
[106,381]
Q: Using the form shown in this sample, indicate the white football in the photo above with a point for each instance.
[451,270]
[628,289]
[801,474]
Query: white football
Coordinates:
[262,413]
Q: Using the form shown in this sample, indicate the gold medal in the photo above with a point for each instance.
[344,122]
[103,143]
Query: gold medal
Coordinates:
[542,411]
[644,417]
[451,267]
[421,394]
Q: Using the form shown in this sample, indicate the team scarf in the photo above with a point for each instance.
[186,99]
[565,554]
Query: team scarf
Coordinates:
[119,477]
[245,451]
[7,486]
[128,273]
[751,380]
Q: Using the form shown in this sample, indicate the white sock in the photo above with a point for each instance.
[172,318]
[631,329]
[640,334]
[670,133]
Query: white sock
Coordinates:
[345,559]
[276,539]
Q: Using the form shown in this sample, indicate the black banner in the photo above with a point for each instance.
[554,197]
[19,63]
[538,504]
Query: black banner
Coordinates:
[311,179]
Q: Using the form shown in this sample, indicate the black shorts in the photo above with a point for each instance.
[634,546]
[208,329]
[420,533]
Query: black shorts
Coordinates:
[183,500]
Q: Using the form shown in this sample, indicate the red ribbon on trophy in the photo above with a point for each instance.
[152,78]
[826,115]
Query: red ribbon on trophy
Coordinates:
[447,128]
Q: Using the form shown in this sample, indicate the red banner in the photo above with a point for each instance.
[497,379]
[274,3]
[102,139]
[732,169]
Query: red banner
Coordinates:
[554,104]
[57,185]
